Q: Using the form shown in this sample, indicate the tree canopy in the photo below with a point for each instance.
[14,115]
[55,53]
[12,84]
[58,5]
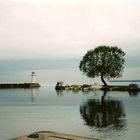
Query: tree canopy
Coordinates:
[103,61]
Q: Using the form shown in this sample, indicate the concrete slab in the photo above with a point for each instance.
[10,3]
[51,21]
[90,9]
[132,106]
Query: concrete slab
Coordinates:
[49,135]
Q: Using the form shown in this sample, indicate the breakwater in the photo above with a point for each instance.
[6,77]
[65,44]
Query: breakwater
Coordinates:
[19,85]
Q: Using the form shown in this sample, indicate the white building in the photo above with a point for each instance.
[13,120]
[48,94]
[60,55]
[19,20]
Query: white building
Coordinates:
[33,77]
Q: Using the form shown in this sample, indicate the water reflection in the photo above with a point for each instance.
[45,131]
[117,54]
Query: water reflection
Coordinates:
[33,94]
[59,92]
[133,93]
[103,113]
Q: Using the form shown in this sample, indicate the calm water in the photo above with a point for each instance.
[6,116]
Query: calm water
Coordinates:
[109,116]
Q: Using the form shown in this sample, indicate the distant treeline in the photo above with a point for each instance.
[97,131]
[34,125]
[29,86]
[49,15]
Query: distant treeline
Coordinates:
[124,81]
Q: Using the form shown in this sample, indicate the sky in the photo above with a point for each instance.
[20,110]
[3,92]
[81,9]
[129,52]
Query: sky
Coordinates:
[41,29]
[36,34]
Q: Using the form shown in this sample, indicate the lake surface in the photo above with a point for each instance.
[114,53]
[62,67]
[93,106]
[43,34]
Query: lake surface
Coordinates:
[110,116]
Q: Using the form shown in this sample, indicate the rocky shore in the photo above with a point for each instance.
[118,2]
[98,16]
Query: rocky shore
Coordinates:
[96,86]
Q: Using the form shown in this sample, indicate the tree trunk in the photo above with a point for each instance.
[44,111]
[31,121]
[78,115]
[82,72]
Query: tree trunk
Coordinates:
[102,79]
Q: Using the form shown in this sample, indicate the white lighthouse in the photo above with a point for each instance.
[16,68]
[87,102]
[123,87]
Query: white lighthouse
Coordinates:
[33,77]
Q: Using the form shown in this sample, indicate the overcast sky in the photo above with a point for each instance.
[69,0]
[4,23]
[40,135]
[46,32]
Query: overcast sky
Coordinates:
[67,28]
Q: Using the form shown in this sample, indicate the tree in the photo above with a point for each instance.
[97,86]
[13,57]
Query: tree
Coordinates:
[103,61]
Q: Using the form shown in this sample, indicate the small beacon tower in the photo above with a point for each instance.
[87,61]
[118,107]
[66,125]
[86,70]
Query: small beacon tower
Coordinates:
[33,77]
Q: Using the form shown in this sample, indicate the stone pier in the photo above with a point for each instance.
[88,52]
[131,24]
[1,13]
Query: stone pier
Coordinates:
[19,85]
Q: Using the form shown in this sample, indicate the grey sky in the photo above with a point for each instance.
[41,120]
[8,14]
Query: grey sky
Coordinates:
[67,28]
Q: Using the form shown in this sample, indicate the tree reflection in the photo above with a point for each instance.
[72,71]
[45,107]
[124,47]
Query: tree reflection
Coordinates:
[133,93]
[102,113]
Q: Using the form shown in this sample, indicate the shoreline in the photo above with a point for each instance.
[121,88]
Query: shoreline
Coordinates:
[87,87]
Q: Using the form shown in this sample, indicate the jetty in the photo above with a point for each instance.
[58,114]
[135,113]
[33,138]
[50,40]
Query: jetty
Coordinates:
[19,85]
[50,135]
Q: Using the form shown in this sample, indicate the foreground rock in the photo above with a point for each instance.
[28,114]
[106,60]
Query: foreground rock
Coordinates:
[49,135]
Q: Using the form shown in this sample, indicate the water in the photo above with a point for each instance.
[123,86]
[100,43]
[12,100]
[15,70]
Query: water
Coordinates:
[109,116]
[112,115]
